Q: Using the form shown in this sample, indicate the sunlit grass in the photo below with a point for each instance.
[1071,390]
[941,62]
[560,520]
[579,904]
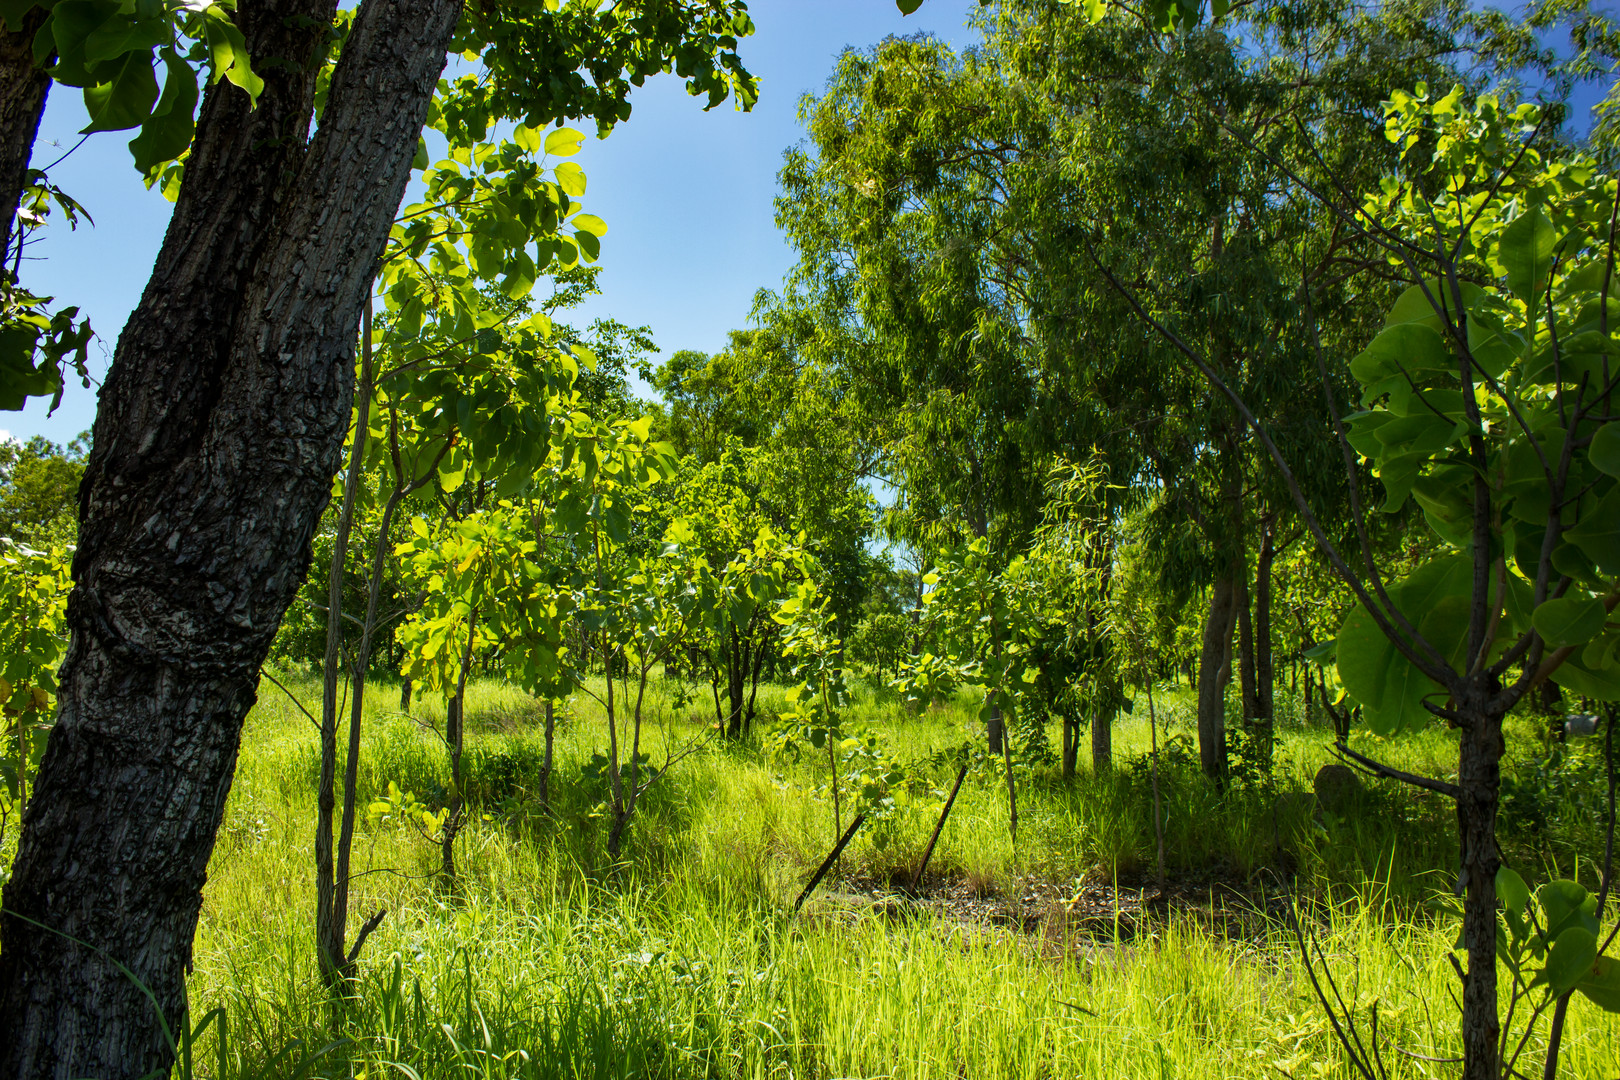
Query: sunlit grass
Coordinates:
[547,960]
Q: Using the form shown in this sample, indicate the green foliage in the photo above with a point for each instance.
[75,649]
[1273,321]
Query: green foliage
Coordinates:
[34,588]
[1499,378]
[1549,942]
[39,490]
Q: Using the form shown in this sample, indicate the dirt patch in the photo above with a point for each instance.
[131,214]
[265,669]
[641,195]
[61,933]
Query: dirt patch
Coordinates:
[1064,918]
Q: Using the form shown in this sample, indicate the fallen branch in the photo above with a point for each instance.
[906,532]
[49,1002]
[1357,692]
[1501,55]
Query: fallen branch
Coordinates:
[827,863]
[945,812]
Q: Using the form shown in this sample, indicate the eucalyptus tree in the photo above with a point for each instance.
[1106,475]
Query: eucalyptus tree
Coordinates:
[219,429]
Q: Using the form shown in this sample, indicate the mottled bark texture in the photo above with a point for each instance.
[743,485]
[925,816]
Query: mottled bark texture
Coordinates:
[218,432]
[23,87]
[1214,672]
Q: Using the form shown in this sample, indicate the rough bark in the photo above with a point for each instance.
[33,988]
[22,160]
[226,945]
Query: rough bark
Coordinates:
[1102,742]
[1213,675]
[23,88]
[220,426]
[1479,778]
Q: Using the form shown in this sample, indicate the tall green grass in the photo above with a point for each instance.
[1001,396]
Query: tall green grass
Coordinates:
[549,960]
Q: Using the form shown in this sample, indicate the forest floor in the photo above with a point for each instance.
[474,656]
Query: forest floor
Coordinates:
[1056,957]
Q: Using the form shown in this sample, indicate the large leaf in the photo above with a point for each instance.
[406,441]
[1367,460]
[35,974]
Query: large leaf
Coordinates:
[1569,960]
[1569,620]
[1525,252]
[1418,303]
[1408,348]
[1601,984]
[1597,534]
[126,99]
[167,132]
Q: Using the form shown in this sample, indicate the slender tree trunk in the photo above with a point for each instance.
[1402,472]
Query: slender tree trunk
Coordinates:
[1071,745]
[1479,777]
[405,696]
[1264,658]
[220,426]
[1246,648]
[1212,680]
[23,88]
[330,930]
[995,731]
[545,762]
[455,732]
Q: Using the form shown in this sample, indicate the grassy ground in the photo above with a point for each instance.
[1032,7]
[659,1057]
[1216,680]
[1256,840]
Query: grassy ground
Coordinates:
[546,960]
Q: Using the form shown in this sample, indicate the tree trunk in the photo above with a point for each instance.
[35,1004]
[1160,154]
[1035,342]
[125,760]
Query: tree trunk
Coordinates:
[545,761]
[1102,742]
[735,685]
[1264,659]
[23,87]
[1071,745]
[995,731]
[1246,648]
[455,730]
[1212,679]
[1479,761]
[330,929]
[220,426]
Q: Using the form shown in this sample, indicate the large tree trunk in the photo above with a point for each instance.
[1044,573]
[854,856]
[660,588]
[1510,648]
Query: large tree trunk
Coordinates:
[219,430]
[1213,675]
[23,87]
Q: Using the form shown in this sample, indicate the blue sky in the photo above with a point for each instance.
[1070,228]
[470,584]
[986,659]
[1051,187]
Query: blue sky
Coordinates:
[687,196]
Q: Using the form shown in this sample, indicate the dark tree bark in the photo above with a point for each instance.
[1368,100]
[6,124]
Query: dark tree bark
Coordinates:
[23,87]
[1479,767]
[1265,672]
[219,429]
[545,764]
[455,736]
[1213,675]
[1102,742]
[1247,690]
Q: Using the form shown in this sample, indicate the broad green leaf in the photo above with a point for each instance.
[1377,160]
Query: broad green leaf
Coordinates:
[1389,688]
[1418,303]
[1565,904]
[590,223]
[1601,984]
[1597,534]
[229,52]
[167,132]
[1604,452]
[1511,889]
[1569,960]
[564,142]
[124,101]
[1569,620]
[1525,252]
[571,178]
[590,248]
[1407,348]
